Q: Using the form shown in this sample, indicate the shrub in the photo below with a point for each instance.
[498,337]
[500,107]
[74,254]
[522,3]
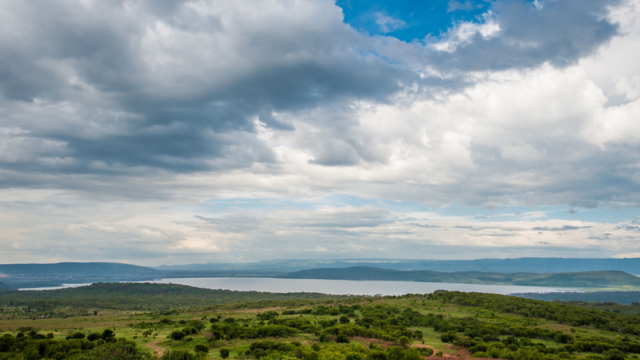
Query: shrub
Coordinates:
[224,353]
[77,335]
[202,348]
[377,355]
[614,354]
[342,339]
[108,334]
[177,335]
[179,355]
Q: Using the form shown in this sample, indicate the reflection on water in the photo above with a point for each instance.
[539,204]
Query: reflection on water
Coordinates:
[64,286]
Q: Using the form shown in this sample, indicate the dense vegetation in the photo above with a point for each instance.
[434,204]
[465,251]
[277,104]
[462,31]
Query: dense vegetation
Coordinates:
[620,297]
[408,327]
[137,296]
[587,278]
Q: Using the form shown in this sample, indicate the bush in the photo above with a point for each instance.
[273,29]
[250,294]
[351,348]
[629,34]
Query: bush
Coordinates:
[179,355]
[77,335]
[224,353]
[342,339]
[202,348]
[177,335]
[614,354]
[344,320]
[121,350]
[377,355]
[93,336]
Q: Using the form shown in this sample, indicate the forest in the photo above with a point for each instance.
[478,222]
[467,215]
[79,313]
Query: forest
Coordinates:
[137,296]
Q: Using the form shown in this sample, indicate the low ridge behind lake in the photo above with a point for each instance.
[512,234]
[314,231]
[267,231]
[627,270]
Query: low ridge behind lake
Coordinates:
[583,279]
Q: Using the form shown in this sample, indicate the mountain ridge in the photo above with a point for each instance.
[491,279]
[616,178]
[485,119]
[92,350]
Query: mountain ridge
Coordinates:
[583,279]
[510,265]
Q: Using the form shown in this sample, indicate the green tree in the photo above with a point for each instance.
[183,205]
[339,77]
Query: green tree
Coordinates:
[404,341]
[224,353]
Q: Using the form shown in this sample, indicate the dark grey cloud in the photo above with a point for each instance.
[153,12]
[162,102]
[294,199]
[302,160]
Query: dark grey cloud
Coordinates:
[556,32]
[101,59]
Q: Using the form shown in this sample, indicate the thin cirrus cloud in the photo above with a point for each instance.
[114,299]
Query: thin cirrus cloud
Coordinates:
[182,103]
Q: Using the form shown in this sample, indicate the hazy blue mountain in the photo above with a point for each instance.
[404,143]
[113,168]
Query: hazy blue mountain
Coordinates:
[529,265]
[582,279]
[39,275]
[36,275]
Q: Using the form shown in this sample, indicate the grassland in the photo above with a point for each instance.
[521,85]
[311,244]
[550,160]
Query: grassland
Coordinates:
[456,324]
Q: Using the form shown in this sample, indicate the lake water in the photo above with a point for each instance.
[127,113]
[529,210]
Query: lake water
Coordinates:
[347,287]
[340,287]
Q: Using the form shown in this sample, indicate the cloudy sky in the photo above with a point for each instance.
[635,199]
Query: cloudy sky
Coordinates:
[170,132]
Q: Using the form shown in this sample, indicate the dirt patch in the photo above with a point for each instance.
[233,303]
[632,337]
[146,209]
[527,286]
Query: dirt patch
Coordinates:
[462,352]
[158,350]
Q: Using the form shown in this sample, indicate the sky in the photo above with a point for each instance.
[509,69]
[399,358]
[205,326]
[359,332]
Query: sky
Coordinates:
[180,131]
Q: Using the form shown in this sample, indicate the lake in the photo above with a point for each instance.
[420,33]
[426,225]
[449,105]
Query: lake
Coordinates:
[338,287]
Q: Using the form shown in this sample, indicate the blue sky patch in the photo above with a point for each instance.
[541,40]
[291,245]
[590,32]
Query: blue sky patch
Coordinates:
[410,20]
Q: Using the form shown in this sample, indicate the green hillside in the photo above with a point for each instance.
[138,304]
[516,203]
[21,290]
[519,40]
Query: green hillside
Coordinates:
[141,296]
[581,279]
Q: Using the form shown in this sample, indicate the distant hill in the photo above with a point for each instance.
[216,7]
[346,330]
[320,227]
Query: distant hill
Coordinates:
[34,275]
[143,296]
[528,265]
[3,287]
[583,279]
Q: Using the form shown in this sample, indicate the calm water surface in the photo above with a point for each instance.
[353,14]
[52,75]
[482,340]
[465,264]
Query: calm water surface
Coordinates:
[348,287]
[337,287]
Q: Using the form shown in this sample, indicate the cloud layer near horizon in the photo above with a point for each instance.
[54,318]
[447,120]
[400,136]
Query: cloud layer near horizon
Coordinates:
[123,121]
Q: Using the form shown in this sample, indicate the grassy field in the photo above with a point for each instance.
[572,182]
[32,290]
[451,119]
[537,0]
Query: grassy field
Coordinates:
[145,328]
